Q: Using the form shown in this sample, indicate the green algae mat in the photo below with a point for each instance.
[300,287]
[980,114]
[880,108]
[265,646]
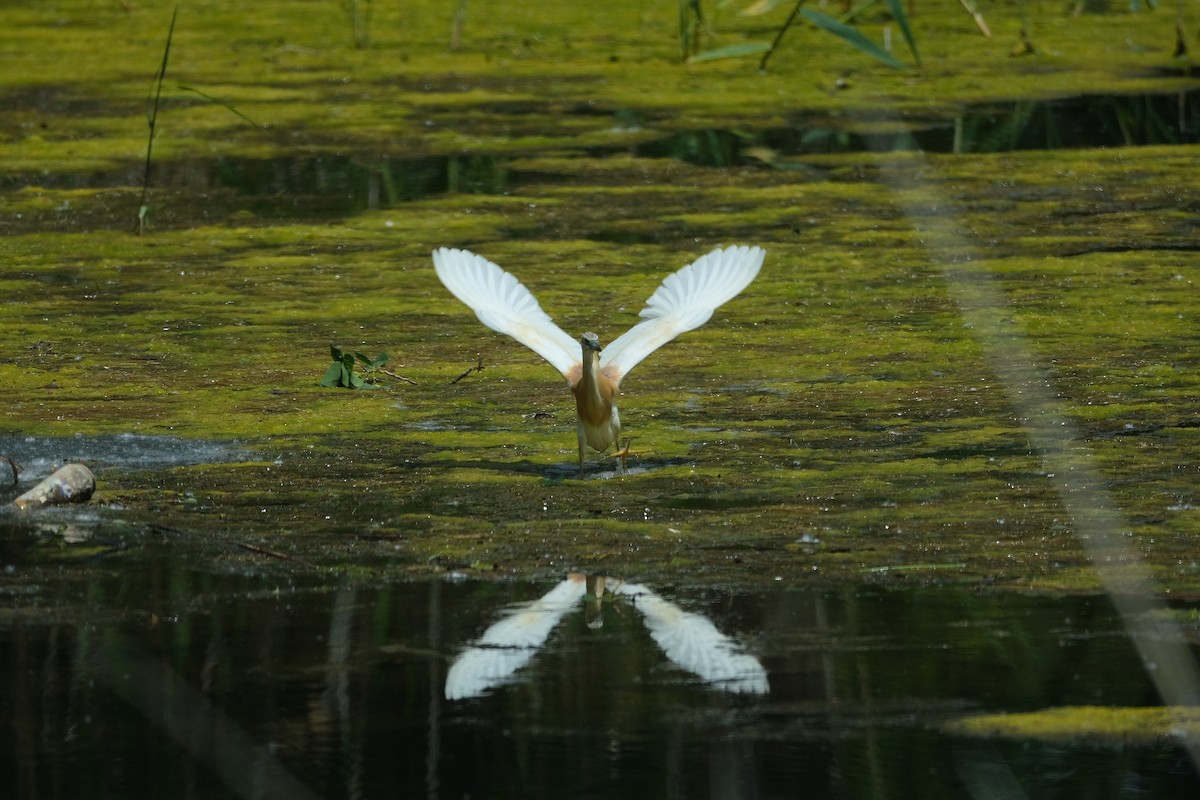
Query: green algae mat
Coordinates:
[864,411]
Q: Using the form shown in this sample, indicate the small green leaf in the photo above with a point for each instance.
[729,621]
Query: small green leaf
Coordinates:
[365,361]
[852,37]
[333,376]
[380,360]
[356,381]
[898,14]
[730,51]
[335,353]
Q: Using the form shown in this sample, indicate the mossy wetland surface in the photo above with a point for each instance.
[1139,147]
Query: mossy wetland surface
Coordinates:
[981,271]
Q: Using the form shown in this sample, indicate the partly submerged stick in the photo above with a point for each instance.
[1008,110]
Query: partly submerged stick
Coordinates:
[152,119]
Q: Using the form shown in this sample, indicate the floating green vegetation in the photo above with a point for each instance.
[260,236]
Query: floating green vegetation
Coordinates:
[1091,724]
[838,422]
[341,373]
[555,76]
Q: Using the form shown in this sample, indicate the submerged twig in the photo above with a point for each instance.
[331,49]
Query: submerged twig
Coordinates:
[1024,45]
[477,368]
[264,551]
[165,530]
[16,468]
[398,376]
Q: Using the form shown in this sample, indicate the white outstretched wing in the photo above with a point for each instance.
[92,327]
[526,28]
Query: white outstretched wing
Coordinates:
[684,301]
[503,304]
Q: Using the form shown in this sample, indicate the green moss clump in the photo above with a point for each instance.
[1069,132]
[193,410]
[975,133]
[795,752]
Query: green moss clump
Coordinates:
[1094,724]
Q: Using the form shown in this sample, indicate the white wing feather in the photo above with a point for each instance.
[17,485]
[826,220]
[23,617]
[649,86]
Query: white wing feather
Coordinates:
[503,304]
[685,301]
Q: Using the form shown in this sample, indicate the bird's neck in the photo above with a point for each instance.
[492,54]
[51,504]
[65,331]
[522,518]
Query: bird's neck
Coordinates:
[591,373]
[590,399]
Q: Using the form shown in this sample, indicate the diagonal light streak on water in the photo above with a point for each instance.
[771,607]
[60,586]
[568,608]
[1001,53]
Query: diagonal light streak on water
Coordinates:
[1100,526]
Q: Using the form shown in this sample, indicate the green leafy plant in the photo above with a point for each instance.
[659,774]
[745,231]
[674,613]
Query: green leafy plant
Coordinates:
[851,36]
[341,374]
[839,27]
[847,33]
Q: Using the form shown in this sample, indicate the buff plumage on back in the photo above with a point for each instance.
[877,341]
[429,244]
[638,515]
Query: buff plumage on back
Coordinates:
[503,304]
[685,301]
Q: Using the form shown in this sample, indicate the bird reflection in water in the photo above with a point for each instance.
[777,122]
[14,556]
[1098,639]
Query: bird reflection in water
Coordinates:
[688,639]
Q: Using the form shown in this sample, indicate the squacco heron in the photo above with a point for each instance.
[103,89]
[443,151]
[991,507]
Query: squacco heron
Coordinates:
[685,301]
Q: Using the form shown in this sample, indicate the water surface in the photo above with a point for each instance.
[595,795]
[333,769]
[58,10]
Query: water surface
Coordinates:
[251,684]
[857,508]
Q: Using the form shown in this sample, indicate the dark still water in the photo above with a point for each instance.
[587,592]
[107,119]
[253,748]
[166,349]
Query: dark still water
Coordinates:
[161,682]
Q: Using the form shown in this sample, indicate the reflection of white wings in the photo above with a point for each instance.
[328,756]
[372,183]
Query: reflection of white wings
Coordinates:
[685,301]
[510,644]
[695,644]
[503,304]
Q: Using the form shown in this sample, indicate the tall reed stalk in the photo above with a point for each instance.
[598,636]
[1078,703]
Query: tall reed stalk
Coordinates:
[359,12]
[152,120]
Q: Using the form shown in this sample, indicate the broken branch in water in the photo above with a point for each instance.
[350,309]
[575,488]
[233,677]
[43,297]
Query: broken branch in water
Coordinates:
[477,368]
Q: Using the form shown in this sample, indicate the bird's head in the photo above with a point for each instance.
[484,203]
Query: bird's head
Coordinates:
[590,341]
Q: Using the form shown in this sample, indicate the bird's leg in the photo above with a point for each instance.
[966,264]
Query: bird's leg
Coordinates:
[582,448]
[623,452]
